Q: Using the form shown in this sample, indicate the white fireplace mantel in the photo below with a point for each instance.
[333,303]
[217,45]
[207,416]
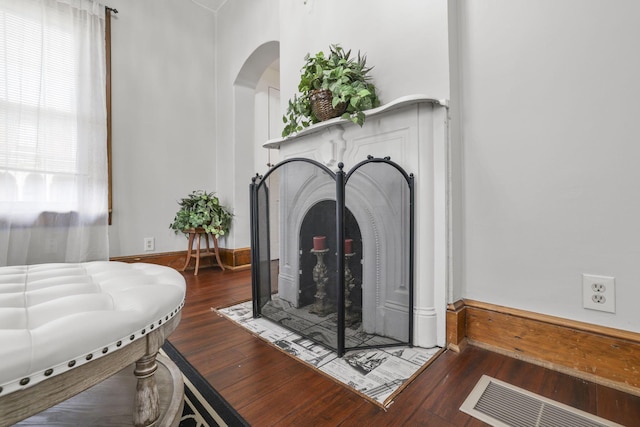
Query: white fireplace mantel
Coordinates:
[401,102]
[413,131]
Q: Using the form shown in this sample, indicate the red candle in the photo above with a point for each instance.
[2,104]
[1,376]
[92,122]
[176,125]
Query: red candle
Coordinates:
[319,243]
[348,249]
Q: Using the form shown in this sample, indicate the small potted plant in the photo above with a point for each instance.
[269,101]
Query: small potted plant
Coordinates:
[331,86]
[202,210]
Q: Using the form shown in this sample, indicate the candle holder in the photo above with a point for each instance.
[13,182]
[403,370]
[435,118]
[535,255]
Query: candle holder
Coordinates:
[350,317]
[320,277]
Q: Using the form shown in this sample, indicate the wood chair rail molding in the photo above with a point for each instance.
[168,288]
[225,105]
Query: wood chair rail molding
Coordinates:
[595,353]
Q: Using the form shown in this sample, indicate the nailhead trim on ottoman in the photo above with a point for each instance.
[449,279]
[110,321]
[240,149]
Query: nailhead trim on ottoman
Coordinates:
[56,317]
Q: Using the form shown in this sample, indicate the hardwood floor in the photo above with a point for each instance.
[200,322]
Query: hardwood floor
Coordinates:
[269,388]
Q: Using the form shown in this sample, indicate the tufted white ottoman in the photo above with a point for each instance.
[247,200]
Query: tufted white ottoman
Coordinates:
[66,327]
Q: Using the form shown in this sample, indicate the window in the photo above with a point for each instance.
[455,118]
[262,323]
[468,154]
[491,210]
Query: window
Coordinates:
[53,149]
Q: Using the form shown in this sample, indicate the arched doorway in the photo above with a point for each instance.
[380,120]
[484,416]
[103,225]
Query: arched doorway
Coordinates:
[243,143]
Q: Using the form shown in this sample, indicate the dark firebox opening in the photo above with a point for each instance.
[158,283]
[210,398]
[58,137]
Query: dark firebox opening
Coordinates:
[320,220]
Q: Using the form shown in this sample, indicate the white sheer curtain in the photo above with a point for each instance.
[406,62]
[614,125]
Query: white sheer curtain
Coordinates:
[53,155]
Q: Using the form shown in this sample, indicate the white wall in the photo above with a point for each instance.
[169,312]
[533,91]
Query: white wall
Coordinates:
[243,27]
[405,41]
[163,118]
[548,123]
[550,129]
[156,132]
[268,119]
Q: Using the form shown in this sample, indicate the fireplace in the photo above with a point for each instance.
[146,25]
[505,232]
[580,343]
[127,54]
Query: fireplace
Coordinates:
[349,238]
[340,182]
[318,230]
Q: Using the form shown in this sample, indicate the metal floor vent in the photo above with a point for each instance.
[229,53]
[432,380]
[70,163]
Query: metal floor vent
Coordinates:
[500,404]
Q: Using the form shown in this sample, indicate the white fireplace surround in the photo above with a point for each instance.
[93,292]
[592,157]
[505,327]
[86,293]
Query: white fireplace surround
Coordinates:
[382,212]
[413,131]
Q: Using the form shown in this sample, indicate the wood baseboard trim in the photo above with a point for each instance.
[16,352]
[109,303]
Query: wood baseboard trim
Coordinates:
[169,259]
[236,259]
[594,353]
[232,259]
[456,324]
[553,320]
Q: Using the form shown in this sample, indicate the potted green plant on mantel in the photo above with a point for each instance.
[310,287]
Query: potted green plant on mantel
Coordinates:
[331,86]
[202,210]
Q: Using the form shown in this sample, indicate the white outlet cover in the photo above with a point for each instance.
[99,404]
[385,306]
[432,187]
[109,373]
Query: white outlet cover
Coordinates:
[609,292]
[149,243]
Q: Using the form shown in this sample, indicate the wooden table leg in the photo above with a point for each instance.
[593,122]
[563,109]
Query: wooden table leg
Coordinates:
[146,409]
[196,234]
[215,246]
[197,254]
[186,264]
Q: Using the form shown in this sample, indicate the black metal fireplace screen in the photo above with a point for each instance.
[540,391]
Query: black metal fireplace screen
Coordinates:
[332,253]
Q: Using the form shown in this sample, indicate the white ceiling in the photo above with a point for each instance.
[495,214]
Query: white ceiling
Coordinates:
[213,5]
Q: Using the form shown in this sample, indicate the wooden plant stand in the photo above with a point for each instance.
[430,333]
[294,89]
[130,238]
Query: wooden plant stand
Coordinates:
[196,233]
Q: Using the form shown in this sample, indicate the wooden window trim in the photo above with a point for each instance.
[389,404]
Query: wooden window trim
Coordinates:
[107,32]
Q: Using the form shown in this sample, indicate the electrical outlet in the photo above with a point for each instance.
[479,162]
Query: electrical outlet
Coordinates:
[598,293]
[51,245]
[149,243]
